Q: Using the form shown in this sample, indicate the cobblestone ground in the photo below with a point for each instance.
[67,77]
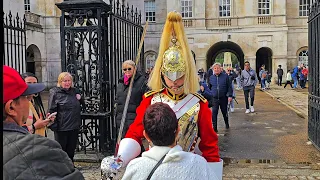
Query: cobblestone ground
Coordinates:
[297,100]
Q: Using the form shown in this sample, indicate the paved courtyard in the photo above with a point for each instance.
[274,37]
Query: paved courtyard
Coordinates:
[271,143]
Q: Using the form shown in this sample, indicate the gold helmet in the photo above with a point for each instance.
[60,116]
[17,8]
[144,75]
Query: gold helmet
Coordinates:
[173,66]
[174,59]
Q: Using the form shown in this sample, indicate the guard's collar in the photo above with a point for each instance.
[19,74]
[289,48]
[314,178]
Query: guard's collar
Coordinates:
[174,96]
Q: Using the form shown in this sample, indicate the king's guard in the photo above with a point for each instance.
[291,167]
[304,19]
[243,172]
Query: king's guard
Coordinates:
[173,81]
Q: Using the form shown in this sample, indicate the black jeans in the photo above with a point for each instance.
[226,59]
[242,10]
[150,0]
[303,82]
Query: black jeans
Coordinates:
[279,81]
[68,141]
[249,90]
[288,82]
[223,104]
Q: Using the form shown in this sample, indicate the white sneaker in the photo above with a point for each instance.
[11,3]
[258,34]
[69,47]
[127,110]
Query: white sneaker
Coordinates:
[251,109]
[231,109]
[247,111]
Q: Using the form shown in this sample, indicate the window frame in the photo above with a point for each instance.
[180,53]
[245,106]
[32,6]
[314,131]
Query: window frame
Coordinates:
[262,9]
[27,6]
[188,6]
[148,7]
[302,57]
[222,10]
[304,6]
[149,54]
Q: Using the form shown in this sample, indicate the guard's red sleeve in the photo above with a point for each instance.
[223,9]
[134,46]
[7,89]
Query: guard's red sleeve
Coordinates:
[135,130]
[209,139]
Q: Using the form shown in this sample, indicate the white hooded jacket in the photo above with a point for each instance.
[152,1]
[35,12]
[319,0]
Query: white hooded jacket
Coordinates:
[176,165]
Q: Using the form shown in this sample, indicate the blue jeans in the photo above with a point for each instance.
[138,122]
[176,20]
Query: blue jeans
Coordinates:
[238,82]
[295,81]
[263,83]
[234,95]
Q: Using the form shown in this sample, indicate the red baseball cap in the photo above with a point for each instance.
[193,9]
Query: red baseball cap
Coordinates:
[14,85]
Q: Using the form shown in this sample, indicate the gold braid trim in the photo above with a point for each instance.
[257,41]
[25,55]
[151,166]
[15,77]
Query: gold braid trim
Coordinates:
[204,100]
[150,93]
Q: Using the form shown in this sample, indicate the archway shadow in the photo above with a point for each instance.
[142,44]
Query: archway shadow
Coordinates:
[224,46]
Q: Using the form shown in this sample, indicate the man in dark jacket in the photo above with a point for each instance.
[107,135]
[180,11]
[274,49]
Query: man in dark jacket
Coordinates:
[25,155]
[280,74]
[220,94]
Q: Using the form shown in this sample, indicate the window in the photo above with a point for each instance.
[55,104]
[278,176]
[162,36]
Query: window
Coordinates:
[304,7]
[264,7]
[27,5]
[150,10]
[224,8]
[186,8]
[150,60]
[303,58]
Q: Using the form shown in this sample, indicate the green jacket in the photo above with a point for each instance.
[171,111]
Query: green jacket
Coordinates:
[30,156]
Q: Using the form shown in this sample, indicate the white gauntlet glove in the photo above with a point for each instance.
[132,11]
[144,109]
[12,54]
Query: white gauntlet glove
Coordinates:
[111,166]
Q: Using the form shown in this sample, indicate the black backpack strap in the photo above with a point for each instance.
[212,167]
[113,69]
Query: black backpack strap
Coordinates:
[155,167]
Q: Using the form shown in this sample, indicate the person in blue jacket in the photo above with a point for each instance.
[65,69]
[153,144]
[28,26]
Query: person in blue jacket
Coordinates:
[294,75]
[219,93]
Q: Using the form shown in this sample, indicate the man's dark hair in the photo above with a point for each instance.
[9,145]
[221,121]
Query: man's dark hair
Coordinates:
[161,124]
[246,62]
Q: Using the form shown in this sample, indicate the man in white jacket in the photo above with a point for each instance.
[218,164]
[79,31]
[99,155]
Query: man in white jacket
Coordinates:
[162,131]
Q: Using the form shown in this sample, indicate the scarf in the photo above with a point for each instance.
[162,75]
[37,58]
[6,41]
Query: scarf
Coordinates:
[126,79]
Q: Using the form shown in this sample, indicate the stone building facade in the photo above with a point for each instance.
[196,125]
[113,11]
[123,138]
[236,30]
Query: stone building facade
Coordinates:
[42,36]
[270,32]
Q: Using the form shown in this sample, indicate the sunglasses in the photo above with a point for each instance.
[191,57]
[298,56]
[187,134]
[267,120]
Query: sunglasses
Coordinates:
[129,69]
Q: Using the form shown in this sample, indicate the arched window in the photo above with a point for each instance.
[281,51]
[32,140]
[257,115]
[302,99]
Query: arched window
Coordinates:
[303,58]
[150,59]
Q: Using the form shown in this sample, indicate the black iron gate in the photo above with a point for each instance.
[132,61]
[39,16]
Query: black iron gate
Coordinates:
[95,39]
[314,74]
[14,48]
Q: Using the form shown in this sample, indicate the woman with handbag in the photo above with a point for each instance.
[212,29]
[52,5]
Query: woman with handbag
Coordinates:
[166,159]
[65,100]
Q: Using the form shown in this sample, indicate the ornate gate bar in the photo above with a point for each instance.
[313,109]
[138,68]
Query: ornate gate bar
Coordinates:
[314,73]
[95,39]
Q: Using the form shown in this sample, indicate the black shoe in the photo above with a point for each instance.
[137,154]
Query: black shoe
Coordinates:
[216,130]
[227,126]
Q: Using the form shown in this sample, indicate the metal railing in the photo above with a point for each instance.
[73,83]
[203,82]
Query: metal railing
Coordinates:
[314,73]
[14,42]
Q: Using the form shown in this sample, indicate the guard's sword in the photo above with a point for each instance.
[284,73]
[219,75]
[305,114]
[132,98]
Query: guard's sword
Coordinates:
[124,114]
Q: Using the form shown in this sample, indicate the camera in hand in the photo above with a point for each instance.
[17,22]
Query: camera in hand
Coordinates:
[253,78]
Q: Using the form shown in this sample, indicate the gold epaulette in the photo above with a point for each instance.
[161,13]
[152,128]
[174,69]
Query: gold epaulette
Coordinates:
[150,93]
[200,97]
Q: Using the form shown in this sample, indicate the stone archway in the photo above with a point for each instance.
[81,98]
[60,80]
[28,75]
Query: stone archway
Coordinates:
[224,46]
[264,56]
[34,61]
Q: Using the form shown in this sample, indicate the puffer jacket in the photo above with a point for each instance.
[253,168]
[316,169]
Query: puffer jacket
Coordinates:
[68,109]
[220,87]
[138,89]
[30,156]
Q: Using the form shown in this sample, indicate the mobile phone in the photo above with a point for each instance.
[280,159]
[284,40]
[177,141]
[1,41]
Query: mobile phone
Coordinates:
[52,114]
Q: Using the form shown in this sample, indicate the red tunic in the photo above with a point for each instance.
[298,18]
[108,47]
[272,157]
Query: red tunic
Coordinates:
[209,140]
